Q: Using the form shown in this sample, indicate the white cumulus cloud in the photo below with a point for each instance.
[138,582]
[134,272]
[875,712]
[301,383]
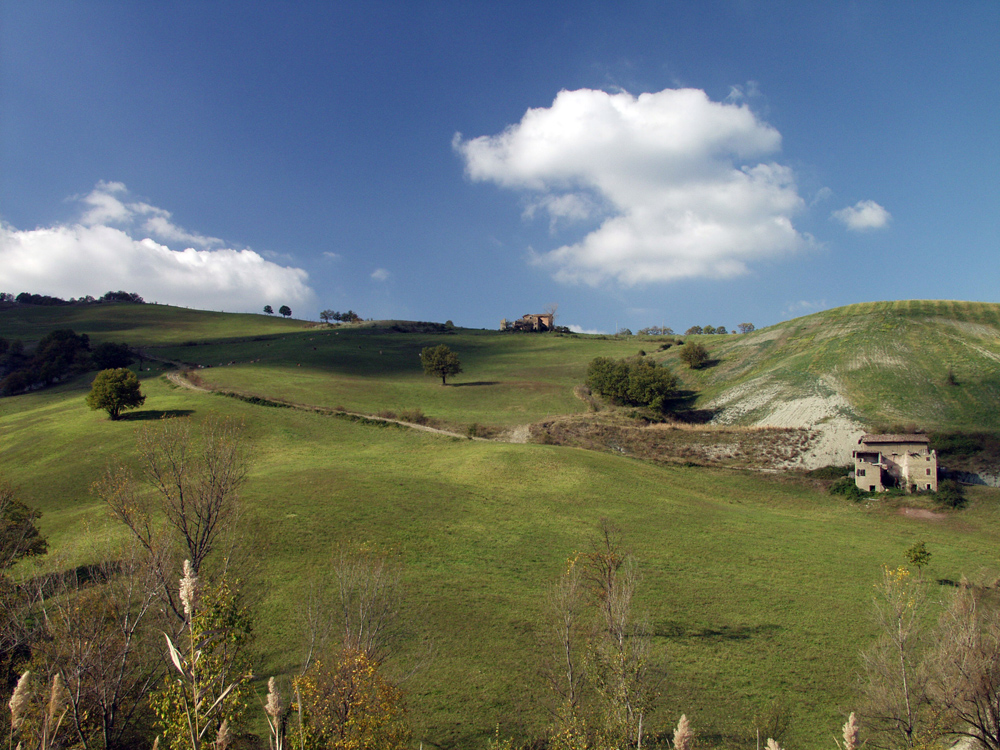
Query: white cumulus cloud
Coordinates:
[380,274]
[679,183]
[114,245]
[863,215]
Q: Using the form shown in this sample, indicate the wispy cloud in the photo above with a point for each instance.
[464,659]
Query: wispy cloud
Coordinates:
[804,307]
[332,256]
[863,215]
[579,329]
[121,244]
[380,274]
[679,179]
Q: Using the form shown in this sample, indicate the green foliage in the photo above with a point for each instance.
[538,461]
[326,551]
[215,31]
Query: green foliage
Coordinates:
[211,676]
[635,382]
[847,488]
[918,555]
[268,310]
[348,704]
[440,361]
[59,354]
[950,494]
[115,391]
[745,327]
[830,472]
[285,311]
[19,537]
[694,355]
[694,330]
[110,356]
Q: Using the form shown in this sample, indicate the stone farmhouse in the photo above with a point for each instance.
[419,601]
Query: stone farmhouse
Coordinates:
[904,461]
[541,322]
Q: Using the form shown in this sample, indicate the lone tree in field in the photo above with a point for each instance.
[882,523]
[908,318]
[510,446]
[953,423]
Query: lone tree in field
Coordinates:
[694,355]
[440,360]
[285,310]
[115,391]
[268,310]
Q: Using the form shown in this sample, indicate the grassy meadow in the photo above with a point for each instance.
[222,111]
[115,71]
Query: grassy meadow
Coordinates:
[756,586]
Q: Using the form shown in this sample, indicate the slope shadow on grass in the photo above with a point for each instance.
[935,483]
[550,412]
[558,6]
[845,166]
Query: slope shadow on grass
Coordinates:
[678,631]
[147,414]
[681,407]
[475,382]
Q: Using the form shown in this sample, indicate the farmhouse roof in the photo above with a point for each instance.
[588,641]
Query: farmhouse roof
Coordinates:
[894,439]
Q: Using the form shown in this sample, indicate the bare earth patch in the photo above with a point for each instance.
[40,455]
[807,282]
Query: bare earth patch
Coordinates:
[926,515]
[824,412]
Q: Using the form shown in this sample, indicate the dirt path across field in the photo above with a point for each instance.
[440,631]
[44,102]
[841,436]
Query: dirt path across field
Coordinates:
[180,379]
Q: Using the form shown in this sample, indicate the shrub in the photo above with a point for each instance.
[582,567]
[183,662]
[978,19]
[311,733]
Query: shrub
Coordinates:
[845,486]
[950,494]
[632,382]
[694,355]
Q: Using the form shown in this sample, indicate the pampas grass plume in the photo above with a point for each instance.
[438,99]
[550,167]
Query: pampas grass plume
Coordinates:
[189,589]
[851,733]
[274,706]
[683,736]
[224,737]
[19,701]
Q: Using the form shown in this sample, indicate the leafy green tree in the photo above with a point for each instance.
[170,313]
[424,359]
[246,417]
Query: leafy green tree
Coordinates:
[440,361]
[19,537]
[708,330]
[694,355]
[918,556]
[694,330]
[328,315]
[115,391]
[268,310]
[285,310]
[746,327]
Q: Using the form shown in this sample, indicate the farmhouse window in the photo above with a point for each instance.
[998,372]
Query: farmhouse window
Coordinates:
[928,472]
[861,472]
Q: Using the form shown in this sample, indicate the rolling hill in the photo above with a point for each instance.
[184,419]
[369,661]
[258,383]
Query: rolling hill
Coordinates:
[756,586]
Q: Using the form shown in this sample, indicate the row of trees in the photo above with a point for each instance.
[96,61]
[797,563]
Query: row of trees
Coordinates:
[329,316]
[692,331]
[58,355]
[27,298]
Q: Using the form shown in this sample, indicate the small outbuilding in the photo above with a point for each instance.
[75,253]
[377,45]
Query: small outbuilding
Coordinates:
[882,462]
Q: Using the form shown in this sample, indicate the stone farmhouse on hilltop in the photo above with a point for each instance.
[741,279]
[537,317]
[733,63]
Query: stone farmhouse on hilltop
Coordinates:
[904,461]
[541,322]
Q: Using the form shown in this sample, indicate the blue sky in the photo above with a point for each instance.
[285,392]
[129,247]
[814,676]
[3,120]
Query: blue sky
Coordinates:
[636,164]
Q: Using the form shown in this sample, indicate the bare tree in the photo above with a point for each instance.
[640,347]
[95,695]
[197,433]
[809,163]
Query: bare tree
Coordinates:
[566,603]
[357,596]
[103,643]
[619,659]
[965,665]
[895,680]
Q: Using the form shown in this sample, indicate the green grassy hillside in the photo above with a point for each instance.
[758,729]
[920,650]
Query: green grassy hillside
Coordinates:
[757,587]
[890,360]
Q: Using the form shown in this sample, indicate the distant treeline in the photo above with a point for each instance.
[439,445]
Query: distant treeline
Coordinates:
[27,298]
[60,354]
